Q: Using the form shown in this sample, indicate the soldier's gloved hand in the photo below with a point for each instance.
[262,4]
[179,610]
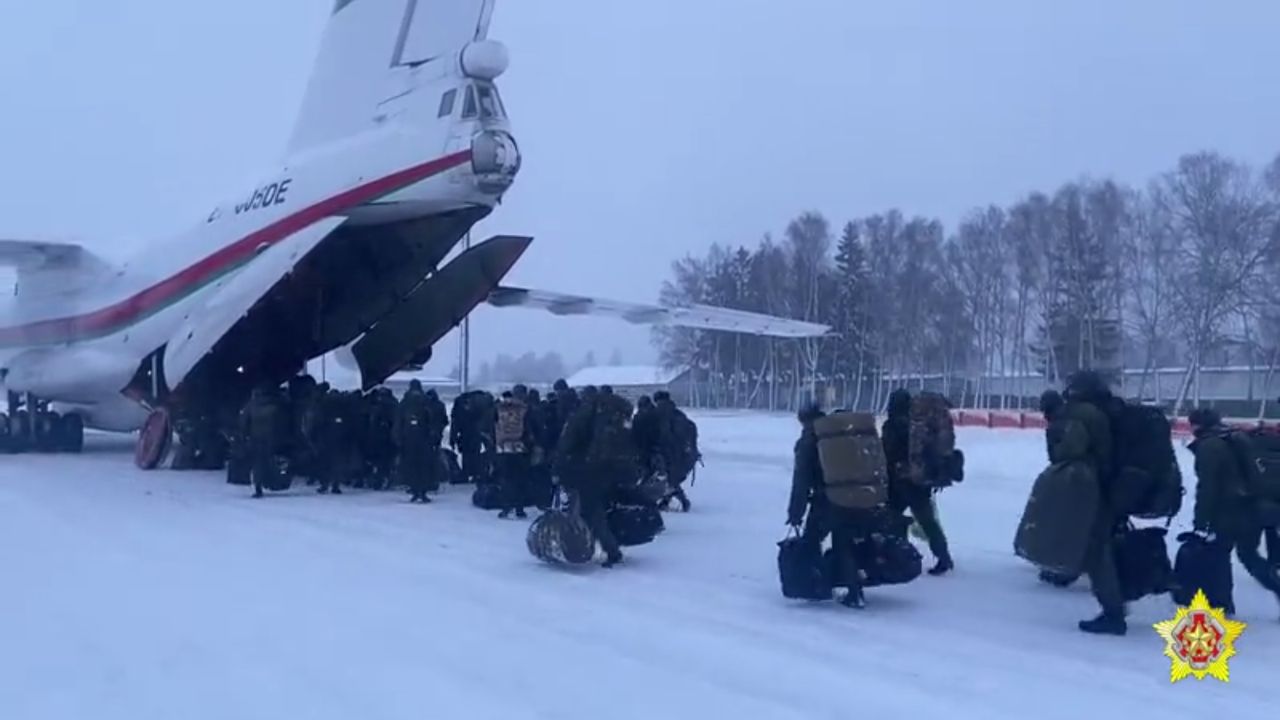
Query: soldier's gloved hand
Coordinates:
[1205,535]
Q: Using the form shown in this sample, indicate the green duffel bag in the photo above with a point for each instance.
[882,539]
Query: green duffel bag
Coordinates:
[1057,523]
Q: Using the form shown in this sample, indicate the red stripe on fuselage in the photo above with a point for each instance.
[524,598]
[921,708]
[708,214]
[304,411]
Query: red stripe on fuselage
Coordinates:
[155,298]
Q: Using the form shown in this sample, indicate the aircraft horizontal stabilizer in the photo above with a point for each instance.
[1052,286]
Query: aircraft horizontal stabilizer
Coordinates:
[435,307]
[705,317]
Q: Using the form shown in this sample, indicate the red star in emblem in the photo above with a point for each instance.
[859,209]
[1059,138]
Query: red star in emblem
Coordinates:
[1199,641]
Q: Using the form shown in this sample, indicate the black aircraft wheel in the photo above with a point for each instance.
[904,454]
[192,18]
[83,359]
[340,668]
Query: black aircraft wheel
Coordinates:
[154,441]
[20,432]
[5,435]
[72,434]
[47,432]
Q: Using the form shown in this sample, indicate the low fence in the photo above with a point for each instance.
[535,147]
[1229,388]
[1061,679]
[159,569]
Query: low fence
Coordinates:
[1013,420]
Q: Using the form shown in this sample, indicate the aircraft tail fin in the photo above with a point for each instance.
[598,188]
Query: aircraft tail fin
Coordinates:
[366,44]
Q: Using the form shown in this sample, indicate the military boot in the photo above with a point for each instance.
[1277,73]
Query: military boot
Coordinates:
[943,566]
[854,599]
[1108,623]
[684,501]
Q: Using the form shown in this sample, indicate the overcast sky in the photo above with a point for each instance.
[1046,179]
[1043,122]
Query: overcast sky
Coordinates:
[651,128]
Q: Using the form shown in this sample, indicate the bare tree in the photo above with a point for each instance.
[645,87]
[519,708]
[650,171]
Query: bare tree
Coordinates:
[1150,247]
[682,347]
[1027,237]
[809,244]
[976,258]
[885,263]
[1227,233]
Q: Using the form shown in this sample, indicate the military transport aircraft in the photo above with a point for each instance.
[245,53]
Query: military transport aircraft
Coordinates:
[402,145]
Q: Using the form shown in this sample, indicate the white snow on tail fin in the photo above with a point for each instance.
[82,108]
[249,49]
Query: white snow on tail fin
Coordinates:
[365,42]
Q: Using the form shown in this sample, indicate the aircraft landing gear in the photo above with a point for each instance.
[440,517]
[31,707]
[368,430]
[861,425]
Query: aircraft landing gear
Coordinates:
[31,426]
[154,441]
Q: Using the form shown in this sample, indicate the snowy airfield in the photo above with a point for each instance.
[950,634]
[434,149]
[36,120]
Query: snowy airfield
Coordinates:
[173,595]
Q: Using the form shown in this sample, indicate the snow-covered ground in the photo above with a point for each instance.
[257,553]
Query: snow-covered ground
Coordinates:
[168,595]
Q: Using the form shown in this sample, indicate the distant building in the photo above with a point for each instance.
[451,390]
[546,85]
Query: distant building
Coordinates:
[632,381]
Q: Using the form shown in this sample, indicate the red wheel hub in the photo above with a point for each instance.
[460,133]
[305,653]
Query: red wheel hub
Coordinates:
[154,441]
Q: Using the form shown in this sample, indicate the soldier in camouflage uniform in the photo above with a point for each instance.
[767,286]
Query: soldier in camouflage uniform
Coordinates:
[1226,514]
[598,453]
[514,445]
[413,433]
[264,419]
[1087,437]
[905,493]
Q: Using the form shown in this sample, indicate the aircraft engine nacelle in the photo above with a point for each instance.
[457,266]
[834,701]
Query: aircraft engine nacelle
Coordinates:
[484,60]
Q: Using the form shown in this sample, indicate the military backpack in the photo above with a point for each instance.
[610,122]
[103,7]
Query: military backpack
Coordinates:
[1146,482]
[611,431]
[510,426]
[1258,452]
[854,472]
[931,446]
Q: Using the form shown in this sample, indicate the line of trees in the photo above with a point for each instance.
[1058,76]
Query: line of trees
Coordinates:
[1095,275]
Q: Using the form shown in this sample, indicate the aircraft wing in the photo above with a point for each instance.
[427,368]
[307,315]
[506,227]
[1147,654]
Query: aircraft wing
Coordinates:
[37,254]
[704,317]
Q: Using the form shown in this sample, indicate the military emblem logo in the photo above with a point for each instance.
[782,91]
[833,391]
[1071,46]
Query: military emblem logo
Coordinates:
[1199,640]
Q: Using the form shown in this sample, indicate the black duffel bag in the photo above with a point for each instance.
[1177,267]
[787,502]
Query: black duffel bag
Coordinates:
[801,569]
[649,490]
[540,492]
[887,560]
[452,470]
[1202,565]
[885,555]
[239,468]
[560,538]
[487,496]
[1142,562]
[635,524]
[281,477]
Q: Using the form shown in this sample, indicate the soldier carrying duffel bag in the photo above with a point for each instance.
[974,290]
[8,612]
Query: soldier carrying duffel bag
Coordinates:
[908,491]
[854,481]
[1231,493]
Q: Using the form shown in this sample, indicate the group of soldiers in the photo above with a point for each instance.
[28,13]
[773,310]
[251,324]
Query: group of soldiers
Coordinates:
[334,438]
[1228,516]
[1235,511]
[810,508]
[587,443]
